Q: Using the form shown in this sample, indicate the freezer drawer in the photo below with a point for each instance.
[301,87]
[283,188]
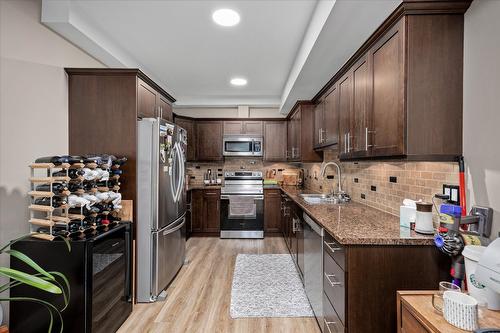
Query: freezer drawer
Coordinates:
[169,251]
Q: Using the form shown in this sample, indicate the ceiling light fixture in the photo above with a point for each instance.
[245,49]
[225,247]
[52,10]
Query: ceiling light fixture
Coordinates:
[226,17]
[238,81]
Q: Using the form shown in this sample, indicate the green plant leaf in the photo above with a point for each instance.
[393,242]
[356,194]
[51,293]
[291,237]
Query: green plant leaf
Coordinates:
[68,289]
[28,261]
[13,241]
[66,241]
[31,280]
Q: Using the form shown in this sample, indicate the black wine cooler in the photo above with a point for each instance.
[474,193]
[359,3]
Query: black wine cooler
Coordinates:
[99,272]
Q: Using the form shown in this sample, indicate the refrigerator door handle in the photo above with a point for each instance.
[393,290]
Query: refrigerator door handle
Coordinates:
[181,172]
[174,229]
[172,172]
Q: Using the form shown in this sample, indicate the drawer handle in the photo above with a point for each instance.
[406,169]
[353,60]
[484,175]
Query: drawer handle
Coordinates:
[333,249]
[332,283]
[328,323]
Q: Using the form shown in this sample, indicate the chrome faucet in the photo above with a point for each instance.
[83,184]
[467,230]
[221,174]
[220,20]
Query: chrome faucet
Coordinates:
[341,195]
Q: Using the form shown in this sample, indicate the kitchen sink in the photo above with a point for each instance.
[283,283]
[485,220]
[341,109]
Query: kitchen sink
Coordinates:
[318,198]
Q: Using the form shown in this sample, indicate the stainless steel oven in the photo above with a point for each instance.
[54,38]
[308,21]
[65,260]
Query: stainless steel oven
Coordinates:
[242,146]
[242,205]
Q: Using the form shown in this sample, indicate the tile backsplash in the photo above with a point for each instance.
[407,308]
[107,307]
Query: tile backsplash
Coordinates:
[384,185]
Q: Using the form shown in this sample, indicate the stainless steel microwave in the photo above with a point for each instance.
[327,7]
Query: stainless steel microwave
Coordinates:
[242,146]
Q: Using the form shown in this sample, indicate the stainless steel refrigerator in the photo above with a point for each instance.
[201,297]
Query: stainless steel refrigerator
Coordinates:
[161,205]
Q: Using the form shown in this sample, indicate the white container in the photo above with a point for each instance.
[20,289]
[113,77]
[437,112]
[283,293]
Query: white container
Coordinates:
[460,310]
[471,254]
[406,216]
[423,218]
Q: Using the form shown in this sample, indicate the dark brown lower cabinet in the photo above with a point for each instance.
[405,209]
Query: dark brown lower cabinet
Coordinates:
[272,211]
[205,211]
[360,282]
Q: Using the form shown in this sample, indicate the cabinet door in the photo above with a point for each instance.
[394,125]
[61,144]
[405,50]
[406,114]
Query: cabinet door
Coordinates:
[297,137]
[188,125]
[330,135]
[209,140]
[165,108]
[388,116]
[358,121]
[146,100]
[272,212]
[345,104]
[211,211]
[289,135]
[233,127]
[275,140]
[252,128]
[196,210]
[318,122]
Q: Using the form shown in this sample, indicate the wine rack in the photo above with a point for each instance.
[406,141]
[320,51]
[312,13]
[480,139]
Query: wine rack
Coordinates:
[76,198]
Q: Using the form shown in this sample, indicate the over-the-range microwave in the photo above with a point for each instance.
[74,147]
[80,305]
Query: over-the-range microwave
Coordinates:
[242,145]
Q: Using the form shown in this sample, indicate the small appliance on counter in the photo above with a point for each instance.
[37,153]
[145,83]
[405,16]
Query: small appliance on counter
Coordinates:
[423,218]
[242,205]
[161,205]
[210,178]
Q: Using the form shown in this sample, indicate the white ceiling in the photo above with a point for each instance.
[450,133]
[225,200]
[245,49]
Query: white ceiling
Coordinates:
[287,49]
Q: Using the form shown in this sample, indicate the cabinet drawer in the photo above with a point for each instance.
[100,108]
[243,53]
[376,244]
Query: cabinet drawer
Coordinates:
[334,285]
[410,324]
[334,249]
[331,322]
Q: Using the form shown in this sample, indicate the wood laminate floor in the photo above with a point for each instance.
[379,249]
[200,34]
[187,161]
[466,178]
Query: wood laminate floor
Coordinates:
[200,296]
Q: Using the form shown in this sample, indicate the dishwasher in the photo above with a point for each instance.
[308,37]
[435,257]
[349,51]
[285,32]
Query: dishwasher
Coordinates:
[313,266]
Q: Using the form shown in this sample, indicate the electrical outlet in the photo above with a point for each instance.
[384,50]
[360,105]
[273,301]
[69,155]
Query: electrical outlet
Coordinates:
[363,196]
[373,188]
[393,179]
[453,192]
[356,180]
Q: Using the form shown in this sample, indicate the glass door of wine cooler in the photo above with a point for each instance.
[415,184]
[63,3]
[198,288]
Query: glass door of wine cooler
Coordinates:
[111,285]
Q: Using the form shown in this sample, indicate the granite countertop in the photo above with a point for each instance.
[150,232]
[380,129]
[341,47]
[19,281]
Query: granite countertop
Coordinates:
[203,187]
[357,224]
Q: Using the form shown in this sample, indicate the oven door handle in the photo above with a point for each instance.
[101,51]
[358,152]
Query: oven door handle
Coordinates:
[255,197]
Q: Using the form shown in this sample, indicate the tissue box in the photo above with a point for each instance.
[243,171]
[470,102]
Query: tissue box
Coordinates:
[406,215]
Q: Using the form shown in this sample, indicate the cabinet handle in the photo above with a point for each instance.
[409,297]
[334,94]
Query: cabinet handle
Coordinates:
[332,283]
[348,142]
[345,143]
[328,323]
[333,249]
[366,138]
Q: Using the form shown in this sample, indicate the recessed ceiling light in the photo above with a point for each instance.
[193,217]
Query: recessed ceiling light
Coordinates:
[226,17]
[238,81]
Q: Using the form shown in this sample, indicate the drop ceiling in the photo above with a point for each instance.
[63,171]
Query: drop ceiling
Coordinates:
[286,49]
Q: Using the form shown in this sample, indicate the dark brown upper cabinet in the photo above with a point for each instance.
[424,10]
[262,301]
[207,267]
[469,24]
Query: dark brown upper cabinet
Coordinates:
[243,127]
[151,103]
[275,140]
[189,125]
[326,120]
[400,95]
[209,140]
[300,134]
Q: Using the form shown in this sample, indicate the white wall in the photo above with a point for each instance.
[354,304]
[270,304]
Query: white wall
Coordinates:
[33,104]
[482,105]
[229,112]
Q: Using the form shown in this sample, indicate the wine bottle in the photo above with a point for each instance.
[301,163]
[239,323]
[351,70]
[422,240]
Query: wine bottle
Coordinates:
[117,172]
[72,173]
[119,161]
[76,187]
[56,202]
[57,188]
[72,159]
[56,160]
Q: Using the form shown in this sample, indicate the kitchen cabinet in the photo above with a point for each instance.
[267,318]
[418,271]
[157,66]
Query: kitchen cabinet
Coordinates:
[326,120]
[243,127]
[293,231]
[400,95]
[355,299]
[205,211]
[300,134]
[151,103]
[189,126]
[275,136]
[211,210]
[209,140]
[272,211]
[165,108]
[100,100]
